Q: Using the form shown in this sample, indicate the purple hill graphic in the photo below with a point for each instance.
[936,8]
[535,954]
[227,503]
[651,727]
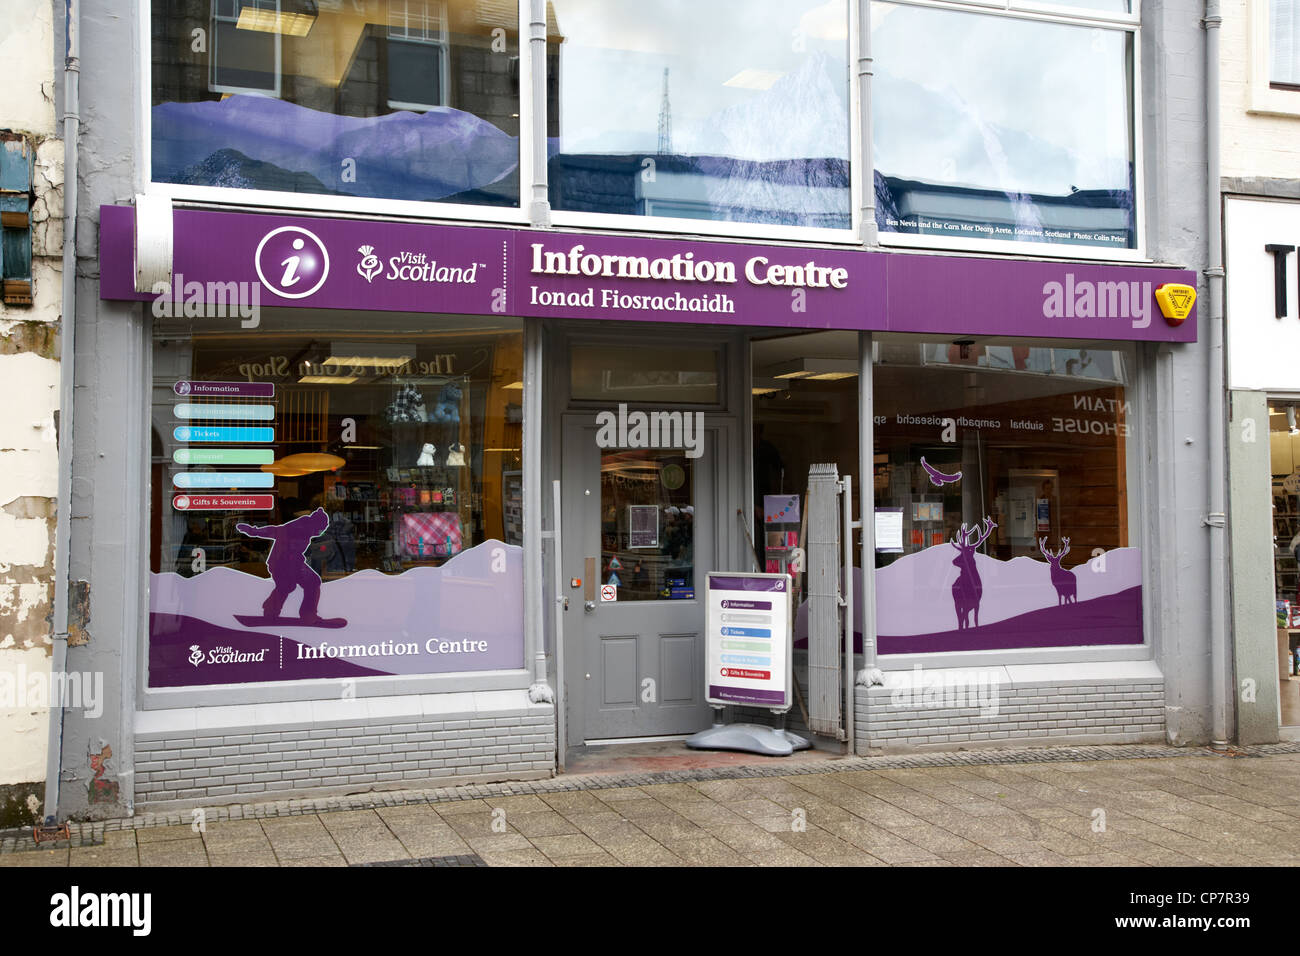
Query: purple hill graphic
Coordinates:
[466,615]
[1019,606]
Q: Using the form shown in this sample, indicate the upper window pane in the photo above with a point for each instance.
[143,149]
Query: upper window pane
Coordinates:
[613,373]
[391,99]
[1283,42]
[991,127]
[729,110]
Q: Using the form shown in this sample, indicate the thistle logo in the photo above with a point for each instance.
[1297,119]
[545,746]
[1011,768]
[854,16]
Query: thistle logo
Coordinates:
[196,655]
[369,266]
[292,262]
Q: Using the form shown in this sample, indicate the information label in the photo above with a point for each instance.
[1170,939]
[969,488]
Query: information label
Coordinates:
[748,634]
[223,502]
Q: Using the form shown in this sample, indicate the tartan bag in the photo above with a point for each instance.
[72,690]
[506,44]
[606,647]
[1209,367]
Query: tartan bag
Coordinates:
[426,534]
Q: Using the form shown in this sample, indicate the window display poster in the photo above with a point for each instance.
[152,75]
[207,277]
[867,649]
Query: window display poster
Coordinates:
[747,633]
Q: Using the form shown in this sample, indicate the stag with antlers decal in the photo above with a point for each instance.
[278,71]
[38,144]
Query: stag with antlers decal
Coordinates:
[1066,584]
[968,590]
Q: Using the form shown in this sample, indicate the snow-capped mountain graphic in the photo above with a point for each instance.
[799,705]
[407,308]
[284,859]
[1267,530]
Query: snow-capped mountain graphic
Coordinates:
[404,155]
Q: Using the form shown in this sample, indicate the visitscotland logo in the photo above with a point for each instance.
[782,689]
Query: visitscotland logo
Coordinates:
[369,266]
[411,266]
[1084,299]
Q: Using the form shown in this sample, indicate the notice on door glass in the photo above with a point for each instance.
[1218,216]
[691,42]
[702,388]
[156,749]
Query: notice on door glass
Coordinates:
[748,634]
[889,529]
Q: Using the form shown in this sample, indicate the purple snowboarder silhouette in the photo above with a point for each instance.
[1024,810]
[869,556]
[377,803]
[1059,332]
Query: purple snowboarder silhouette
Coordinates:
[287,562]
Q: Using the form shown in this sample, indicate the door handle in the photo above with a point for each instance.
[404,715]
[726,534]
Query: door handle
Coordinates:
[589,606]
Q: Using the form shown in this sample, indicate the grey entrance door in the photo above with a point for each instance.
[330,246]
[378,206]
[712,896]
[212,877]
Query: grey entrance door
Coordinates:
[643,520]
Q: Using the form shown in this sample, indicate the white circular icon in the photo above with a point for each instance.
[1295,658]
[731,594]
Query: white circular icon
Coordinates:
[297,265]
[182,503]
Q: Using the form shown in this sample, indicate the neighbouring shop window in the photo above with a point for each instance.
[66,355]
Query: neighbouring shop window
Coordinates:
[335,495]
[992,127]
[393,99]
[647,524]
[1284,457]
[1001,489]
[726,111]
[604,373]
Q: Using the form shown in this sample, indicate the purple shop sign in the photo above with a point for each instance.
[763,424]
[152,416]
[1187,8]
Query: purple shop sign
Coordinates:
[416,267]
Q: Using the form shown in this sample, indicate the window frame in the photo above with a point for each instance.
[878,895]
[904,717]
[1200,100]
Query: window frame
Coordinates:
[1266,97]
[322,203]
[532,100]
[1140,447]
[1068,16]
[757,230]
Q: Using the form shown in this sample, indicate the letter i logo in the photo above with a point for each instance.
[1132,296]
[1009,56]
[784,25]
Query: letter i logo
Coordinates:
[297,257]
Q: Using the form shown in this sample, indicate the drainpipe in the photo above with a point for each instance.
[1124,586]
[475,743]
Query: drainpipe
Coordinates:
[867,211]
[1215,519]
[539,207]
[67,352]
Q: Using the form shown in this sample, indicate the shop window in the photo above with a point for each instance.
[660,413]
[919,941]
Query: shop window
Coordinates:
[993,128]
[1001,490]
[335,496]
[667,376]
[391,99]
[728,111]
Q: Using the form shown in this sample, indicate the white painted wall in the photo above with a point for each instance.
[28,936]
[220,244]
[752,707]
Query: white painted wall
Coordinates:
[29,394]
[1260,127]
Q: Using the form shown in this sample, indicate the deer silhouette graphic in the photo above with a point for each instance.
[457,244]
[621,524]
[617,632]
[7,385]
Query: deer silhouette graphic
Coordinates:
[967,590]
[1066,584]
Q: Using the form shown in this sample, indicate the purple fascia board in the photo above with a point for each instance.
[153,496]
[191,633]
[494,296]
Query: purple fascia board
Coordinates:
[421,267]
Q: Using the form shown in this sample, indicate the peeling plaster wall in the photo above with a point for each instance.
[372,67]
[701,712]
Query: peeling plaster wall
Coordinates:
[29,393]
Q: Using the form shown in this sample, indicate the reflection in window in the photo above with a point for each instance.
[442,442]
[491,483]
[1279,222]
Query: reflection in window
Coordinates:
[734,111]
[1027,133]
[396,99]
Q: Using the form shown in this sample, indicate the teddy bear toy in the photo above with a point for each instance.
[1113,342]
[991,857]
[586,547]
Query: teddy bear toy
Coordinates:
[447,408]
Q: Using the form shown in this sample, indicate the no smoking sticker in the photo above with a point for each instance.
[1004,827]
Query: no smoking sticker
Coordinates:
[608,592]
